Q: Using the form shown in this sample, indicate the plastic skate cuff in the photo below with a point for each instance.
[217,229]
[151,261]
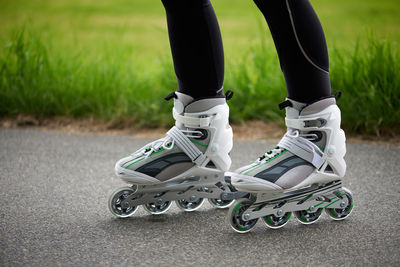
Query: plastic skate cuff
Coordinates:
[184,143]
[192,121]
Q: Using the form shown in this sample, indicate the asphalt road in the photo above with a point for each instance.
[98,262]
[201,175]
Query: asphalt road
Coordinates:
[54,189]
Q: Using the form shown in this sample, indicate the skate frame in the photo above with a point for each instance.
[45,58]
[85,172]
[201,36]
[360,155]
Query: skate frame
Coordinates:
[189,189]
[310,199]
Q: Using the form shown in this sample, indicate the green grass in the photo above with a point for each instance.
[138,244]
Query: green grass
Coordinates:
[368,77]
[110,59]
[108,87]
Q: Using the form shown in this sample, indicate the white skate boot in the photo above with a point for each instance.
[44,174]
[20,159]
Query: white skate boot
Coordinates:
[187,165]
[301,175]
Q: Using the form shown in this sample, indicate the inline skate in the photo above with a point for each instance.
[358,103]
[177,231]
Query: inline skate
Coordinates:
[186,166]
[301,175]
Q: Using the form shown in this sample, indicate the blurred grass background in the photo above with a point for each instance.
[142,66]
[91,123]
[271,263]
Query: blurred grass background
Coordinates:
[111,60]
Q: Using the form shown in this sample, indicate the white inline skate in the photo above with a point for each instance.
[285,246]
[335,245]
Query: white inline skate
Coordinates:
[301,175]
[186,166]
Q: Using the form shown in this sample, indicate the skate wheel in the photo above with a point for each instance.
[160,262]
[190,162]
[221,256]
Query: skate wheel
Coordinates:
[115,200]
[341,214]
[306,217]
[275,222]
[219,203]
[235,214]
[157,209]
[189,205]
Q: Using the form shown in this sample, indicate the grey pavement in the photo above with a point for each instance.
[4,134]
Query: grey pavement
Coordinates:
[54,189]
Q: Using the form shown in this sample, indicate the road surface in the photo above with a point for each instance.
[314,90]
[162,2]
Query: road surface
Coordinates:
[55,186]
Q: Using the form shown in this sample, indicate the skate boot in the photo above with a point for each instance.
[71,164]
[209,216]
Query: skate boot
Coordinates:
[301,175]
[186,166]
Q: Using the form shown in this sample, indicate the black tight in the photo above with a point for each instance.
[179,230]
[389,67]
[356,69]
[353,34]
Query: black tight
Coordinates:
[198,56]
[301,46]
[196,46]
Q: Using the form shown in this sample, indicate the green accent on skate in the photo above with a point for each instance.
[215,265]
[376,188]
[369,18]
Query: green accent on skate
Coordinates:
[160,149]
[304,219]
[352,206]
[277,155]
[196,142]
[307,197]
[134,162]
[237,207]
[269,220]
[334,198]
[332,203]
[288,218]
[323,203]
[308,210]
[242,228]
[332,212]
[320,147]
[155,152]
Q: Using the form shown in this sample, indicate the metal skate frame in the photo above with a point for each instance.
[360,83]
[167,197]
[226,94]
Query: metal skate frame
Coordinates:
[189,189]
[310,199]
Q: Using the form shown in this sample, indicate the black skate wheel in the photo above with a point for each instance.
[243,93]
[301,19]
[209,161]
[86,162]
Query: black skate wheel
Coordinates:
[306,217]
[341,214]
[219,203]
[275,222]
[115,200]
[189,205]
[157,209]
[235,214]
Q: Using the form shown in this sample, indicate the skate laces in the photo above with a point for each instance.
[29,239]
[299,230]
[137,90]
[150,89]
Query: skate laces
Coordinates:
[292,133]
[277,150]
[166,143]
[270,154]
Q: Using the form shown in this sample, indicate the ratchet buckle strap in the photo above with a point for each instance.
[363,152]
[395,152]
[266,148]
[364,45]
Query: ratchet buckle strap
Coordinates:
[305,123]
[192,121]
[303,148]
[184,143]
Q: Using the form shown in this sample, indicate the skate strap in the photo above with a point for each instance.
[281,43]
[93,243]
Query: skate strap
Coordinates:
[303,148]
[305,124]
[184,143]
[192,121]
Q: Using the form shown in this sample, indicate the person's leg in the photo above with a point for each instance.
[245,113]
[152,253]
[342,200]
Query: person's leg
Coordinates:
[200,142]
[196,47]
[301,46]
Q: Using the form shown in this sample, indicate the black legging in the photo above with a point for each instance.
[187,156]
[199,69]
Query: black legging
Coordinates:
[198,55]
